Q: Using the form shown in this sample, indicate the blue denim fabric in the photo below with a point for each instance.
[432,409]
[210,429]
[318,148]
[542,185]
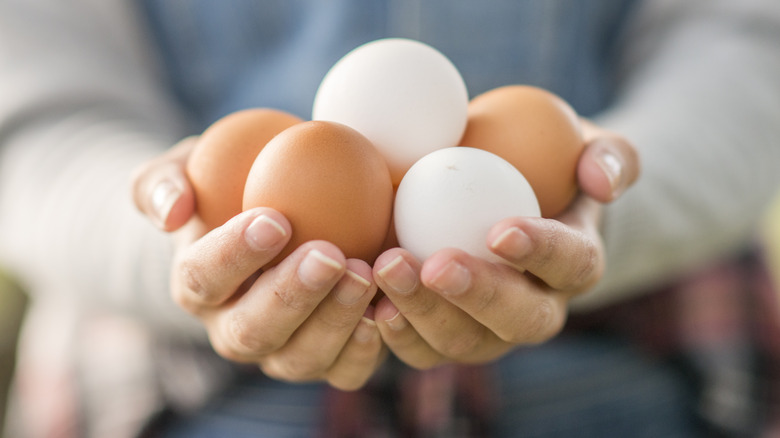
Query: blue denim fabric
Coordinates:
[585,386]
[232,54]
[593,386]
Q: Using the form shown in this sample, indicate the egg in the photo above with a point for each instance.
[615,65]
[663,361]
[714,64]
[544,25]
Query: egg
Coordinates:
[331,184]
[536,131]
[453,196]
[224,153]
[405,96]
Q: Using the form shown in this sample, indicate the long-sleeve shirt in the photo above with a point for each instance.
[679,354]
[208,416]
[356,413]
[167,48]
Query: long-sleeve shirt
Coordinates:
[89,89]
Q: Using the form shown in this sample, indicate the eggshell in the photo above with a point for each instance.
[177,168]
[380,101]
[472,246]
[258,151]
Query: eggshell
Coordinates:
[223,155]
[453,196]
[536,131]
[330,183]
[404,95]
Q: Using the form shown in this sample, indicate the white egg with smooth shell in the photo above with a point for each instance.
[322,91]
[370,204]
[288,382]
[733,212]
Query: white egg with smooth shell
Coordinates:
[403,95]
[453,196]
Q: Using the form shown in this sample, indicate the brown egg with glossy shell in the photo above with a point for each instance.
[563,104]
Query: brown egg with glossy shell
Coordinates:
[223,155]
[331,184]
[536,131]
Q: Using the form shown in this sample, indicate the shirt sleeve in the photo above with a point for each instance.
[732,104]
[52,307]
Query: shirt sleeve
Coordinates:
[82,103]
[700,98]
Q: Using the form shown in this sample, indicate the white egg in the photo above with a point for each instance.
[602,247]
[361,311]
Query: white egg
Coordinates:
[451,198]
[403,95]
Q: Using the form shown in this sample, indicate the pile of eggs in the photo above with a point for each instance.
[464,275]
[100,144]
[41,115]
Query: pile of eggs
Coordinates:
[394,150]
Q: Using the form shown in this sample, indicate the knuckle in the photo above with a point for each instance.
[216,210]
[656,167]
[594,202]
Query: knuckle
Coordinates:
[590,267]
[543,323]
[463,346]
[304,368]
[425,363]
[293,299]
[191,278]
[294,369]
[347,383]
[181,288]
[337,322]
[425,308]
[246,338]
[486,300]
[226,352]
[549,248]
[418,355]
[181,299]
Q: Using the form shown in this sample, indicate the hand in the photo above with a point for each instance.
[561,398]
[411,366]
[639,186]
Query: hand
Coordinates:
[308,318]
[456,307]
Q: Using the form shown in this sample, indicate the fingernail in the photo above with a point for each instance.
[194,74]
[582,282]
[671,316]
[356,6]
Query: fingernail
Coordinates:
[164,197]
[351,288]
[612,168]
[397,322]
[513,242]
[399,276]
[452,279]
[317,269]
[263,233]
[365,330]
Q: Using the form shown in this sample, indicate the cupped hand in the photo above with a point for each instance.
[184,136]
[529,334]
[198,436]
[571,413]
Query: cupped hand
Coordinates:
[454,307]
[308,318]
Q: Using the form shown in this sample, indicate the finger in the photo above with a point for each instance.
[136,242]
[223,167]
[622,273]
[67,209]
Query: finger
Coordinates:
[317,343]
[609,164]
[360,357]
[563,257]
[161,190]
[262,320]
[445,327]
[402,339]
[514,307]
[209,271]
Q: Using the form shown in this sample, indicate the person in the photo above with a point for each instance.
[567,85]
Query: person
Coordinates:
[91,90]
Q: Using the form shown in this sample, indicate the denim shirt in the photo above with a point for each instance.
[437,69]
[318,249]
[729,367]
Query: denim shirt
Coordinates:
[232,54]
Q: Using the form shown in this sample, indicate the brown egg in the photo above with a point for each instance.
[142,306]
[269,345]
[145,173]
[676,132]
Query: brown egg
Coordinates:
[223,155]
[536,131]
[331,184]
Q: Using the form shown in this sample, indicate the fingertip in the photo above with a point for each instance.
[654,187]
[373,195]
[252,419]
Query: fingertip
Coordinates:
[599,174]
[442,265]
[265,229]
[328,250]
[161,191]
[181,211]
[361,269]
[169,203]
[396,271]
[608,167]
[366,331]
[387,315]
[384,309]
[388,257]
[510,242]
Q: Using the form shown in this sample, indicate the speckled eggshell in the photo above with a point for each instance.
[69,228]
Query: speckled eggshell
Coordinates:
[331,184]
[537,132]
[224,153]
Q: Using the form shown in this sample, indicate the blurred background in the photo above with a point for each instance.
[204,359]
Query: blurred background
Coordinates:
[13,301]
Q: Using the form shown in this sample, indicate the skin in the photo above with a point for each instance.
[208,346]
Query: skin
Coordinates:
[454,307]
[311,317]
